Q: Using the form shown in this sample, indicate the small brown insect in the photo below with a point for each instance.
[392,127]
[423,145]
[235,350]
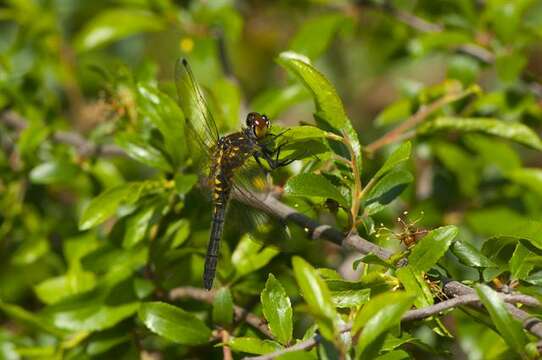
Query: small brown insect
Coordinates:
[409,234]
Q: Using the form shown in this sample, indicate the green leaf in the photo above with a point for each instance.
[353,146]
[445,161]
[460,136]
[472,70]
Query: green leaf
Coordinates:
[141,150]
[509,66]
[531,178]
[229,94]
[387,189]
[509,328]
[223,307]
[432,40]
[253,345]
[401,154]
[115,24]
[166,115]
[432,247]
[90,314]
[500,221]
[394,113]
[173,323]
[329,106]
[469,255]
[376,318]
[314,36]
[461,164]
[274,101]
[414,283]
[35,321]
[185,182]
[57,288]
[300,133]
[317,295]
[394,355]
[54,172]
[350,298]
[463,68]
[250,256]
[106,204]
[509,130]
[277,309]
[105,341]
[520,267]
[136,226]
[313,185]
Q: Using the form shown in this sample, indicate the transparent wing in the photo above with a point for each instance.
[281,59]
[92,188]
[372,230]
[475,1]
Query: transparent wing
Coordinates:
[194,106]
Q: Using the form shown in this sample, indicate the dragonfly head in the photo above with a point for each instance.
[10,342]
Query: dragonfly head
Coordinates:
[258,123]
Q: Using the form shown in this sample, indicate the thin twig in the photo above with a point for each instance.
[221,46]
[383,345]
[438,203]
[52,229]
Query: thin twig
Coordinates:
[226,351]
[411,315]
[420,115]
[82,146]
[188,292]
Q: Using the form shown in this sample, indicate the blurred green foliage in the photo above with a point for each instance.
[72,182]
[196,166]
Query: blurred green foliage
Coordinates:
[415,123]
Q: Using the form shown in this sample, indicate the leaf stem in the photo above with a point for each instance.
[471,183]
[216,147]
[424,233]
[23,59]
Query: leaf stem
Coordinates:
[419,116]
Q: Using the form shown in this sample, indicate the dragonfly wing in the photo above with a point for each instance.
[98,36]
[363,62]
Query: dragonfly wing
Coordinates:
[195,107]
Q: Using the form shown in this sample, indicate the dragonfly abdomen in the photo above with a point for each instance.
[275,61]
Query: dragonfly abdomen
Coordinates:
[221,194]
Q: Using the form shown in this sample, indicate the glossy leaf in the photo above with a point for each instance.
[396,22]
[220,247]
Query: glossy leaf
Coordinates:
[387,189]
[509,328]
[116,24]
[54,172]
[55,289]
[432,247]
[376,318]
[88,313]
[513,131]
[173,323]
[136,226]
[317,295]
[329,106]
[469,255]
[399,155]
[142,151]
[166,115]
[313,185]
[277,309]
[223,307]
[414,283]
[253,345]
[520,266]
[531,178]
[106,204]
[250,256]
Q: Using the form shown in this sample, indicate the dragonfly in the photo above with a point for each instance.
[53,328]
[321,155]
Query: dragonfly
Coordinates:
[227,155]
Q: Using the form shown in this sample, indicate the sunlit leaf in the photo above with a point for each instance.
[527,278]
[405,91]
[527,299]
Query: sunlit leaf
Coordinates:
[277,309]
[115,24]
[508,130]
[223,307]
[173,323]
[317,295]
[432,247]
[313,185]
[376,318]
[509,328]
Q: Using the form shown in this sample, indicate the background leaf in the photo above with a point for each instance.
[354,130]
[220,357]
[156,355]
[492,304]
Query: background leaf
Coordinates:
[174,323]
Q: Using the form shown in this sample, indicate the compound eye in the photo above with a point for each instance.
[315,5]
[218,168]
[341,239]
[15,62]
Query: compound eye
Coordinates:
[251,117]
[266,119]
